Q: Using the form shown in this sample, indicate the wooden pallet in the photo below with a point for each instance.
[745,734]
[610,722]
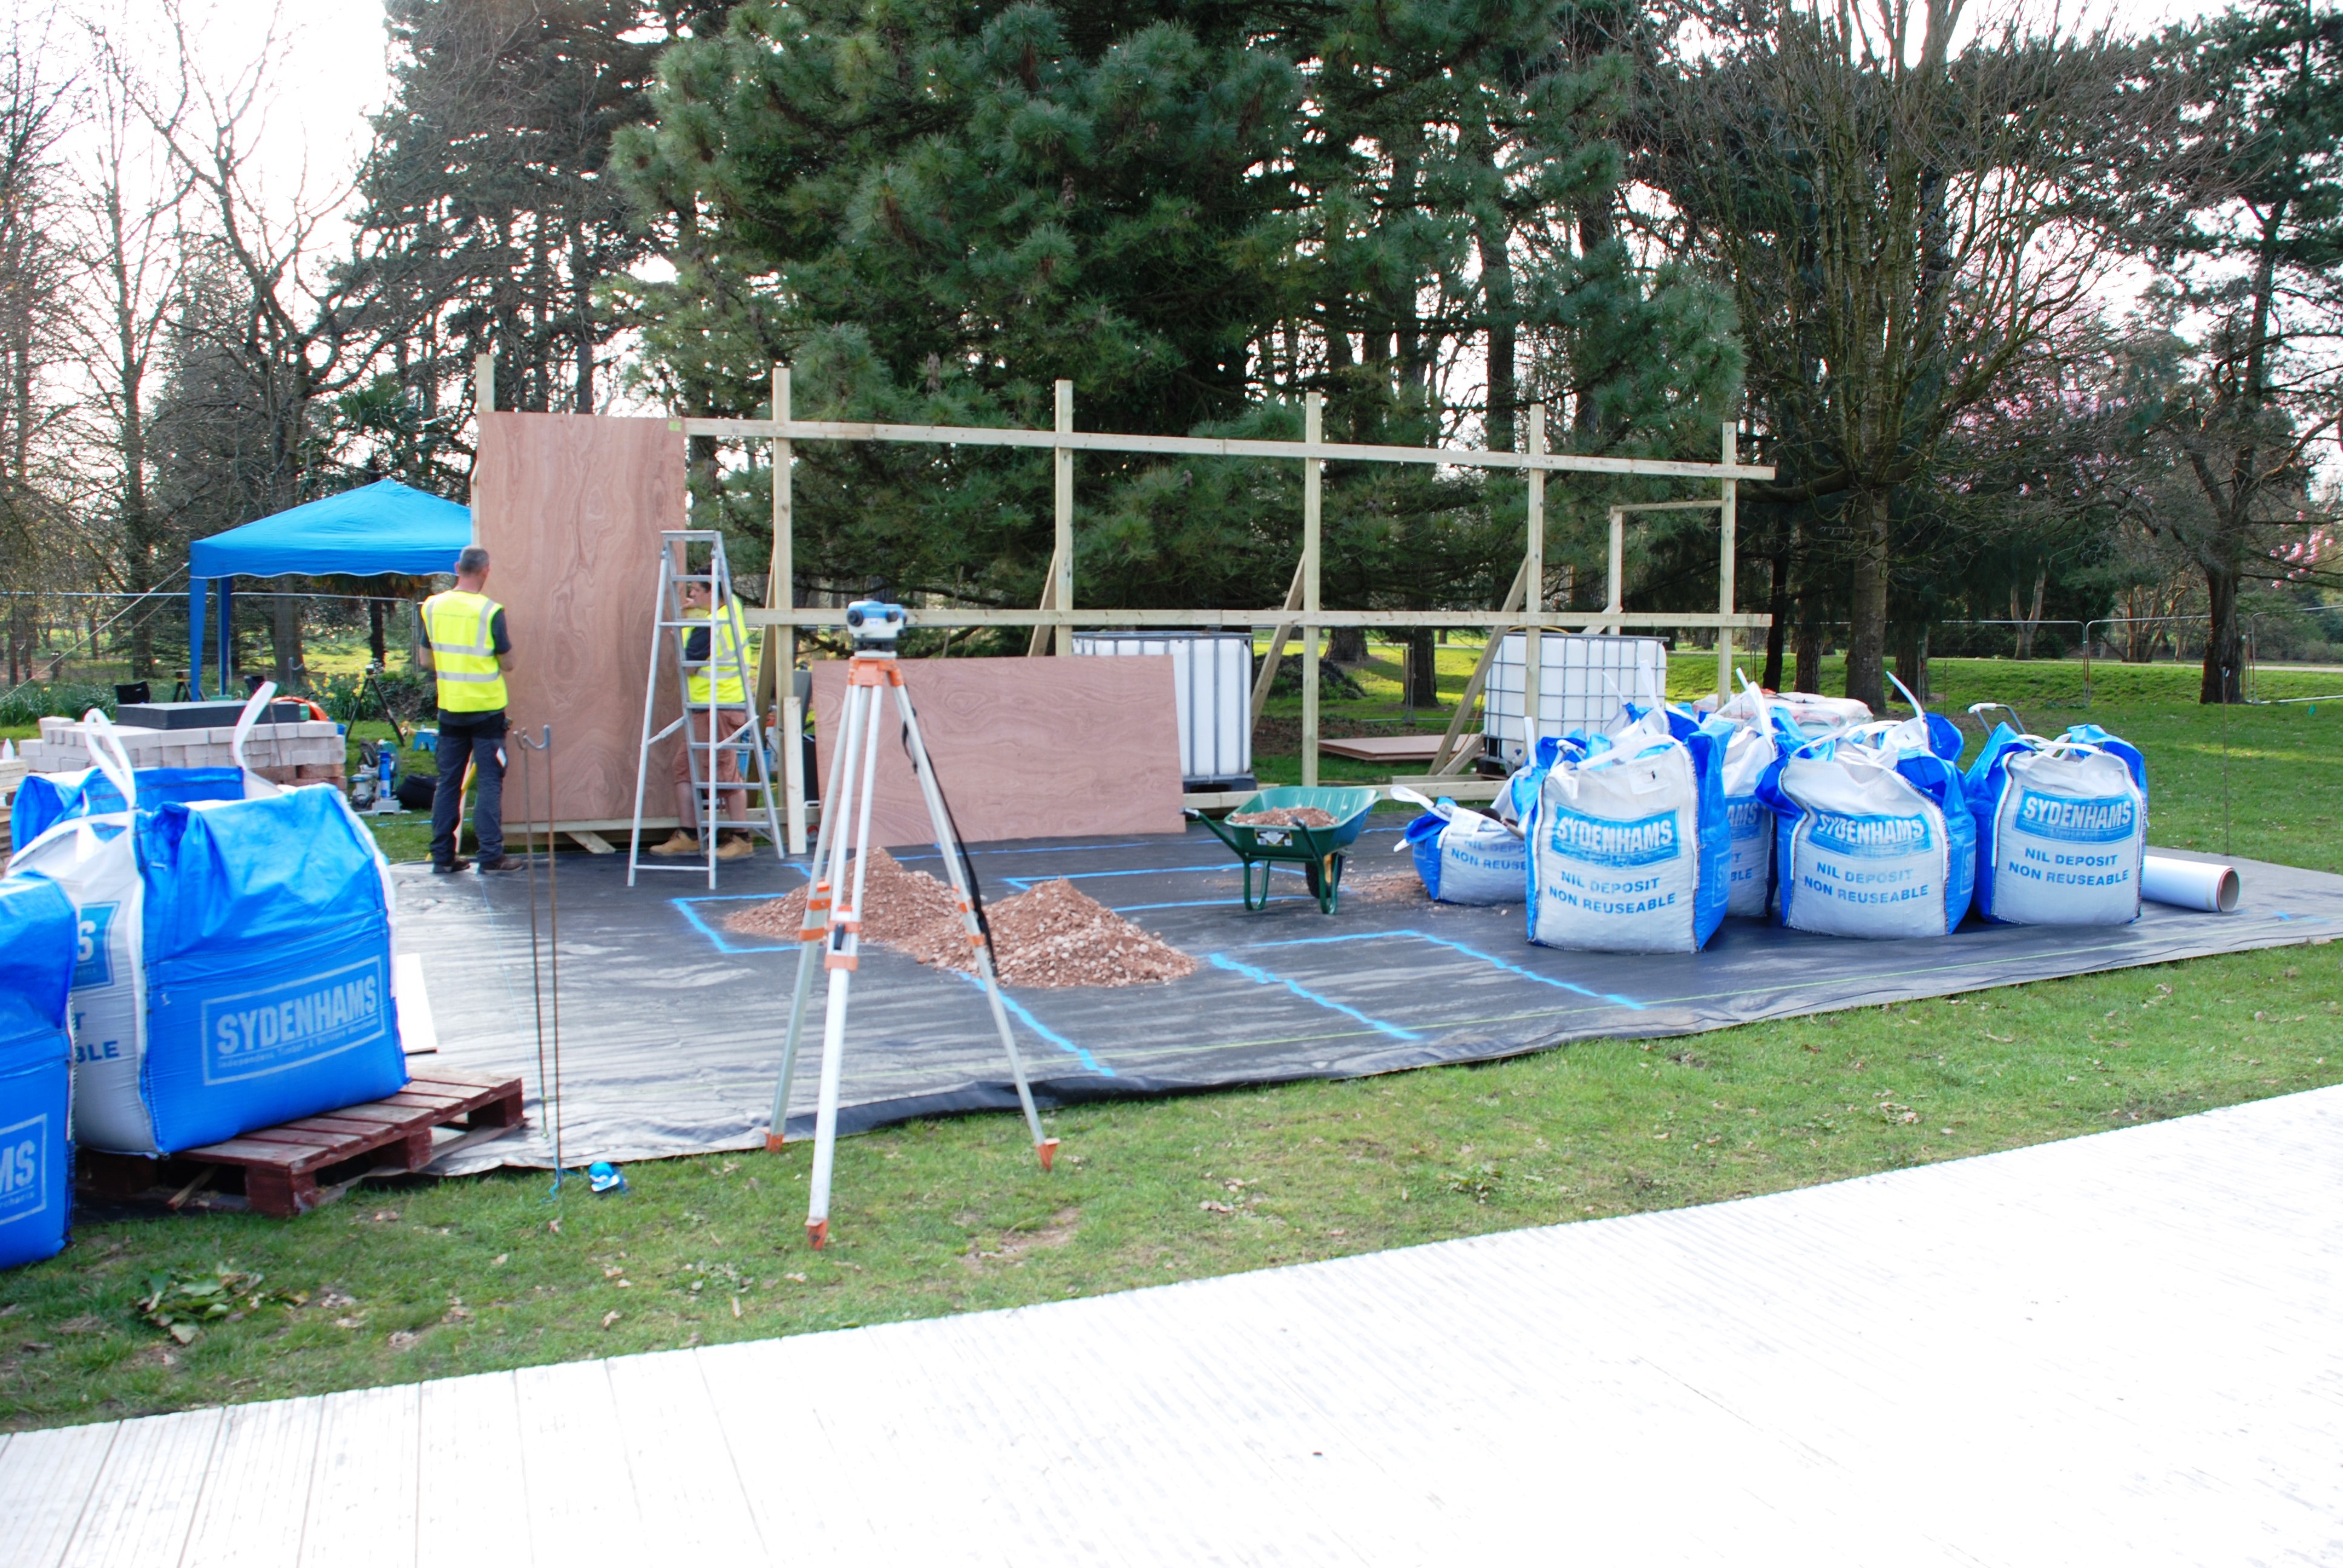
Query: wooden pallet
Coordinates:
[295,1166]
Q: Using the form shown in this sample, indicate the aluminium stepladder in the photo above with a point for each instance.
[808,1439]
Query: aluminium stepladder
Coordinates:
[831,927]
[702,737]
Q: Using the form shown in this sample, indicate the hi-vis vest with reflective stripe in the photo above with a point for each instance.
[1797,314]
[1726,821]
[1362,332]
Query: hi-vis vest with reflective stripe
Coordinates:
[463,651]
[728,640]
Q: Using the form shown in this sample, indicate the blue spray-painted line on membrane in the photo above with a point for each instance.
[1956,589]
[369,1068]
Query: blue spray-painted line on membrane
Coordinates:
[725,944]
[1490,959]
[1264,976]
[1044,1030]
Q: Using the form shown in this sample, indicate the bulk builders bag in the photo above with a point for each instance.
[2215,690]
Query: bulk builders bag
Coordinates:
[36,971]
[236,970]
[1873,833]
[1463,856]
[1627,843]
[2062,828]
[1747,751]
[44,799]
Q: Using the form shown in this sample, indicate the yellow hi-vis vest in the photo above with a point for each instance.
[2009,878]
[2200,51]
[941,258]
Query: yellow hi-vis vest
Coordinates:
[730,649]
[463,651]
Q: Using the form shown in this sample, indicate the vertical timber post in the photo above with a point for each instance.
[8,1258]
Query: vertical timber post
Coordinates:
[1313,428]
[1617,604]
[782,644]
[1727,524]
[1533,591]
[1064,562]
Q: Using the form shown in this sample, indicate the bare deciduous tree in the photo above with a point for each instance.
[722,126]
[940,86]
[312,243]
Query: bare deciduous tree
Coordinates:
[1901,222]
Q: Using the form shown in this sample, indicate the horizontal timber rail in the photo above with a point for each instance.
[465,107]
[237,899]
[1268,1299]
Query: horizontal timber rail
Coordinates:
[1302,616]
[1556,620]
[1214,446]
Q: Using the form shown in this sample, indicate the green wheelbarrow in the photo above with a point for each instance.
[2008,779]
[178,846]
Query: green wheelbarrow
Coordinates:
[1319,851]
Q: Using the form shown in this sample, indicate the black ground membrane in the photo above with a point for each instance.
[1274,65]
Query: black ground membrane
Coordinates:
[671,1026]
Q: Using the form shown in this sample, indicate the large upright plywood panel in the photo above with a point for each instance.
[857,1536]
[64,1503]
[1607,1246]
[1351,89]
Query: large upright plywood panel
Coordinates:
[1025,748]
[571,507]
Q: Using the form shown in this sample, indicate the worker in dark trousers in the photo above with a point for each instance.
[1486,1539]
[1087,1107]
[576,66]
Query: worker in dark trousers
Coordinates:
[468,649]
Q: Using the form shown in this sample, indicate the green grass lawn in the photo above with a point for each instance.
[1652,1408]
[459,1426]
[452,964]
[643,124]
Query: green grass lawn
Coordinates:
[429,1279]
[424,1278]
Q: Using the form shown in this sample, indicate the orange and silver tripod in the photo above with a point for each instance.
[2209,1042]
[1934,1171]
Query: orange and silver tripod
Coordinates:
[833,926]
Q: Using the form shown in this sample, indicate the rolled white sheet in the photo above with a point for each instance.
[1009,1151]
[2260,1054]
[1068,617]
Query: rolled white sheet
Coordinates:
[2190,884]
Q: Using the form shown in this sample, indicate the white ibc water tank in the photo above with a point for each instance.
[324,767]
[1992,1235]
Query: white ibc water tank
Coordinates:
[1211,679]
[1584,682]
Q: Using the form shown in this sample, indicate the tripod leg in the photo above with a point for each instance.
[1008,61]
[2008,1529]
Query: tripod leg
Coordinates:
[948,845]
[812,927]
[844,946]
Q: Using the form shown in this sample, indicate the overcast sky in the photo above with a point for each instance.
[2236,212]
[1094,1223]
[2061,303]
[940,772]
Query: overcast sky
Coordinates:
[330,73]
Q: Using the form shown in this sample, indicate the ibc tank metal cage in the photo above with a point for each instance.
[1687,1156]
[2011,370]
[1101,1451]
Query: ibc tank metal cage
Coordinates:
[1583,684]
[1212,679]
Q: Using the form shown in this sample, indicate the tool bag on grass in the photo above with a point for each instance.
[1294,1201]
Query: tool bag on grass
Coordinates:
[36,970]
[237,964]
[2062,828]
[1463,856]
[1873,837]
[1627,843]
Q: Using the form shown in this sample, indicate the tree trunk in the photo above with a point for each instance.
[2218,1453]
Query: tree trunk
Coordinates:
[1808,648]
[285,639]
[1777,605]
[1422,669]
[1866,637]
[2224,649]
[1346,645]
[1912,658]
[375,644]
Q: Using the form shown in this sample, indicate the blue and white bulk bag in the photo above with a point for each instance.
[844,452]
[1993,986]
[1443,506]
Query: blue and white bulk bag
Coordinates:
[1748,751]
[267,965]
[235,965]
[37,968]
[94,861]
[1627,846]
[2062,828]
[1463,856]
[44,799]
[1874,837]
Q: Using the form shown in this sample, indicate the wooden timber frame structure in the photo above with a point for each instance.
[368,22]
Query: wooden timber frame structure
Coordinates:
[1054,619]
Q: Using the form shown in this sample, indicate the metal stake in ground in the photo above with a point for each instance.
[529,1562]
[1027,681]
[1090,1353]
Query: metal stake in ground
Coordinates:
[549,1095]
[837,931]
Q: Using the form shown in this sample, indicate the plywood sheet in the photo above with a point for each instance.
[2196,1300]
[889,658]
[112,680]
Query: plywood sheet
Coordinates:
[1027,748]
[571,507]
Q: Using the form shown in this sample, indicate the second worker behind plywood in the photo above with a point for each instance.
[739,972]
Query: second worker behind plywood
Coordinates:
[720,703]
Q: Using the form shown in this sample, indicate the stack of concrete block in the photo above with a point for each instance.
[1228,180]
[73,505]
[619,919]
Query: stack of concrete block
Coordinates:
[12,773]
[310,752]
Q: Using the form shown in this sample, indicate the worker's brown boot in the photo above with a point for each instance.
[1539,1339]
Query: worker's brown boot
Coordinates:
[678,843]
[735,847]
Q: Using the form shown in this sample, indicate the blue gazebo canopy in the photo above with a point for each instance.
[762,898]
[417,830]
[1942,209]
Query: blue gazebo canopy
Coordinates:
[385,528]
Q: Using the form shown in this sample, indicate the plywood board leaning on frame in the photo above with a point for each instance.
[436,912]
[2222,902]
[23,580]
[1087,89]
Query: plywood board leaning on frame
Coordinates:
[1025,748]
[571,507]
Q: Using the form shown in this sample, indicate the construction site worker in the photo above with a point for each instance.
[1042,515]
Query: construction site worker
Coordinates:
[715,656]
[468,649]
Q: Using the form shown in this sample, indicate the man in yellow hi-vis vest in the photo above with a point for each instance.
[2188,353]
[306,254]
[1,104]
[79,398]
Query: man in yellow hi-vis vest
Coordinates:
[468,649]
[714,659]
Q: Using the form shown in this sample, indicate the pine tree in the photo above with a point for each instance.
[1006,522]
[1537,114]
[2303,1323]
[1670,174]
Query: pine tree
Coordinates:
[1196,214]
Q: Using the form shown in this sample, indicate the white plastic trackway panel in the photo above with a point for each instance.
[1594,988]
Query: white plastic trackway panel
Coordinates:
[1583,683]
[1211,674]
